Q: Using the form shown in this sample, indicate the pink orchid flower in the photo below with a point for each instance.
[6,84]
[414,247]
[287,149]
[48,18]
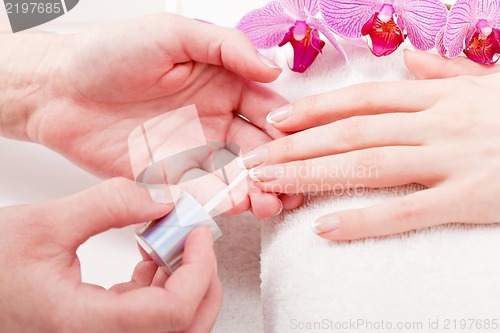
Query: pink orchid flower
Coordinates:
[386,22]
[290,21]
[473,28]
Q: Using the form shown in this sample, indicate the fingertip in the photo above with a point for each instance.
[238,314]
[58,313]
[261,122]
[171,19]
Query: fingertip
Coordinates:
[269,63]
[241,57]
[260,70]
[266,205]
[271,70]
[419,63]
[333,236]
[304,113]
[227,47]
[200,239]
[291,201]
[408,57]
[280,116]
[333,227]
[163,194]
[338,235]
[432,66]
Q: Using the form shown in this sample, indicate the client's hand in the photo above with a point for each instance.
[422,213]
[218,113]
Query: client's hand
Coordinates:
[40,283]
[442,133]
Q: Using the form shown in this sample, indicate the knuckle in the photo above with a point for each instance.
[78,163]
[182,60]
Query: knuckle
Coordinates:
[457,127]
[462,84]
[117,197]
[287,148]
[363,93]
[307,107]
[368,159]
[408,211]
[350,131]
[183,316]
[122,186]
[359,228]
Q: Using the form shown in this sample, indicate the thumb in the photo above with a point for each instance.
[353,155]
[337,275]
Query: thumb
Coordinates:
[431,66]
[115,203]
[211,44]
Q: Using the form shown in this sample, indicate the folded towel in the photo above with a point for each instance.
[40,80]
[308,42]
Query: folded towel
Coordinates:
[439,279]
[444,274]
[238,261]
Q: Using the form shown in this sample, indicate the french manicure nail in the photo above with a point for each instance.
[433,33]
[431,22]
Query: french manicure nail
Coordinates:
[252,159]
[281,209]
[165,194]
[267,174]
[326,223]
[280,114]
[253,174]
[268,62]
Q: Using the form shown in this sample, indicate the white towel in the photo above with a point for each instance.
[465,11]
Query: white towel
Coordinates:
[238,252]
[440,280]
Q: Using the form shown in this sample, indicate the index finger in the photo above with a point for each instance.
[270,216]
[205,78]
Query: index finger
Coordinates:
[369,98]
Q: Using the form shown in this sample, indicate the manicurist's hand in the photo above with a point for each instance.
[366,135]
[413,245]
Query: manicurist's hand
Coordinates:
[442,133]
[40,280]
[83,94]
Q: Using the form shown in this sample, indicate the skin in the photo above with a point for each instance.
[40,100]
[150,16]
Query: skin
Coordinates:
[40,284]
[81,95]
[440,131]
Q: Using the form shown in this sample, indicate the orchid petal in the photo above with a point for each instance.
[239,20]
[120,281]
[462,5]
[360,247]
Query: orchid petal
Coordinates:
[384,37]
[305,50]
[266,27]
[440,43]
[422,20]
[461,21]
[347,17]
[301,8]
[490,11]
[327,32]
[484,50]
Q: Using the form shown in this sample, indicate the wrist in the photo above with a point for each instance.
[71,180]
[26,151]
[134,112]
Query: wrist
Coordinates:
[25,69]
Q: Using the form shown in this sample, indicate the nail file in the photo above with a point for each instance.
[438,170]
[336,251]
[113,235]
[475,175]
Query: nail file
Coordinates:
[221,196]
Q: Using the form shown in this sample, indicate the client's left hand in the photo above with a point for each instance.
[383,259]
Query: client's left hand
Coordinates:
[442,133]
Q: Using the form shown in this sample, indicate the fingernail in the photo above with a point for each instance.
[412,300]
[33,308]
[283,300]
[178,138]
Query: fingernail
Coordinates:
[279,115]
[253,174]
[326,223]
[266,174]
[252,159]
[268,62]
[281,209]
[165,194]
